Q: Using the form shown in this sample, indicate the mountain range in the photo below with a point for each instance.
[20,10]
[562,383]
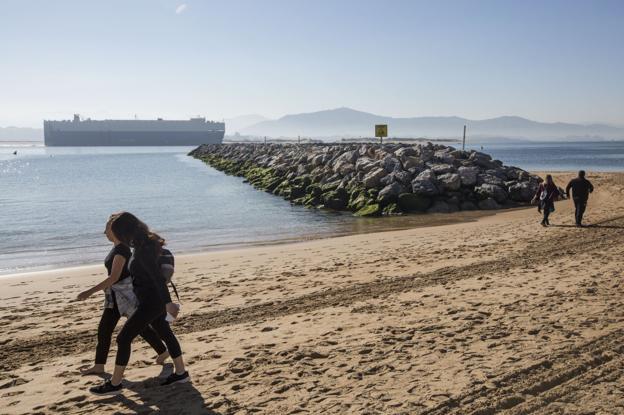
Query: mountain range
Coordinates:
[347,122]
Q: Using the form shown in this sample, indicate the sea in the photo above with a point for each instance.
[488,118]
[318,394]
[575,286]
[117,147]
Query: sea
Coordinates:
[54,201]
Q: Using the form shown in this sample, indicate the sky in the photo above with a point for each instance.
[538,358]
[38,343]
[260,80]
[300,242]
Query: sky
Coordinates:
[545,60]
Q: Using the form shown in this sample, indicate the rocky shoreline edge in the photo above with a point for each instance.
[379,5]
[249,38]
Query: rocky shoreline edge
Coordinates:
[375,179]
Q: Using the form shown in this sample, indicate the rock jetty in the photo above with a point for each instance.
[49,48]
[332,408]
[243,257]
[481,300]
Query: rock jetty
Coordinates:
[375,179]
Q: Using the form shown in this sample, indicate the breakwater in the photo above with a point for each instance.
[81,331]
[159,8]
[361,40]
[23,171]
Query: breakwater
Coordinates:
[375,179]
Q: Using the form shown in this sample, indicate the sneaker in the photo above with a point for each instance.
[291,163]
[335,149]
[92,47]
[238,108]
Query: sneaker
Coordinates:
[175,378]
[106,388]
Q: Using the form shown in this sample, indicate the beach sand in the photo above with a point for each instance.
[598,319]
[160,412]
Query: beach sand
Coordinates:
[497,315]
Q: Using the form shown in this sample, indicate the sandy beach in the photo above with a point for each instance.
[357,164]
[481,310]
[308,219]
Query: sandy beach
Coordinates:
[495,315]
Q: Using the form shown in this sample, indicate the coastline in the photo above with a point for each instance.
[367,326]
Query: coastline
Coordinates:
[368,226]
[403,321]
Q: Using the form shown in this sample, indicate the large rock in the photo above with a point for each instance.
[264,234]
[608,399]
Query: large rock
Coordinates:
[373,177]
[468,175]
[521,192]
[390,193]
[491,191]
[365,164]
[482,160]
[489,204]
[410,162]
[426,175]
[391,164]
[441,168]
[402,177]
[444,156]
[343,167]
[424,188]
[489,179]
[425,184]
[405,152]
[450,181]
[409,202]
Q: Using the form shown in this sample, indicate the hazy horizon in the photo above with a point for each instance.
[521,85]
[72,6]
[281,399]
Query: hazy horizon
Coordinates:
[556,61]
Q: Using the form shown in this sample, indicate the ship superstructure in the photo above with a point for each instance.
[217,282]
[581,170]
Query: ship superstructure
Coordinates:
[159,132]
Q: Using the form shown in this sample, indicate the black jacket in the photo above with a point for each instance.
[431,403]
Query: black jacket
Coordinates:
[581,188]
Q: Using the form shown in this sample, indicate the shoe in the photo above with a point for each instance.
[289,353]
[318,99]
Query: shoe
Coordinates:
[175,378]
[106,388]
[543,224]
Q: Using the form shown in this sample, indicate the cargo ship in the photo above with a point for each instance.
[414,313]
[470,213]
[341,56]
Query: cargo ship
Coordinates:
[159,132]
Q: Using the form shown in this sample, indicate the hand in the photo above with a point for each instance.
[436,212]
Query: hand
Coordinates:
[173,309]
[84,295]
[533,201]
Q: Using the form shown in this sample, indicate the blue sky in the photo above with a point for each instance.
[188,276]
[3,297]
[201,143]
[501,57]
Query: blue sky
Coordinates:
[544,60]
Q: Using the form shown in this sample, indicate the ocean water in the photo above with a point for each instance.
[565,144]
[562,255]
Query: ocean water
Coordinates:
[54,202]
[557,156]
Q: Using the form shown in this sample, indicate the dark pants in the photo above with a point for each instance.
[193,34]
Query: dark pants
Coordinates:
[579,206]
[546,208]
[142,318]
[108,322]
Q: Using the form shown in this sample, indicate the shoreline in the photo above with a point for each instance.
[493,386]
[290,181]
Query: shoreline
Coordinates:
[378,225]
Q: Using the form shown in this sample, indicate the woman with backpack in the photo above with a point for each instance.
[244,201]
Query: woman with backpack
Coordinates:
[153,300]
[547,193]
[118,293]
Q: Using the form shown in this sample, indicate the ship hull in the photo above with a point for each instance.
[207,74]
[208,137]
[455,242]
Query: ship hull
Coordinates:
[131,138]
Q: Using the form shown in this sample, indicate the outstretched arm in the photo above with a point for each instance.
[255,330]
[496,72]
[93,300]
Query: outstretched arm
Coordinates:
[118,263]
[568,188]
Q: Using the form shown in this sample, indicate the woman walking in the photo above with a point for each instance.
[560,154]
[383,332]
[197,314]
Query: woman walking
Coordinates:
[547,193]
[116,264]
[153,298]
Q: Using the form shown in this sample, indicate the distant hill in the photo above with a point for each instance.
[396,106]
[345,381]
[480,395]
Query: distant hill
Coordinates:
[237,124]
[346,122]
[21,134]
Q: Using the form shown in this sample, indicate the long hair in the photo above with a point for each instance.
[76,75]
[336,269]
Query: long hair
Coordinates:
[549,180]
[133,232]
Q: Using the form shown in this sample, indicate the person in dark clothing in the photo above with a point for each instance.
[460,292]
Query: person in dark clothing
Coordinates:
[547,193]
[153,298]
[116,264]
[581,188]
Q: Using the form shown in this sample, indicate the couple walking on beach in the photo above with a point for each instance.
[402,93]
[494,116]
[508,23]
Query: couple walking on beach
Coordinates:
[138,268]
[548,192]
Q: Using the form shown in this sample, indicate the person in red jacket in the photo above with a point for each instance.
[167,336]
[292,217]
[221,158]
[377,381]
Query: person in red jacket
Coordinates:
[546,194]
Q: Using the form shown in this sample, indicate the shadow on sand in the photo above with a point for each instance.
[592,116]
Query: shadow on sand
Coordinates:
[150,397]
[589,226]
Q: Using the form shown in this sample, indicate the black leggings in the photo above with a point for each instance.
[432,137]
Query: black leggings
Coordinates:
[142,318]
[546,207]
[108,322]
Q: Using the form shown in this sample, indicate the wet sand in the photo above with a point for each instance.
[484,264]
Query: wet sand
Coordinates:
[488,316]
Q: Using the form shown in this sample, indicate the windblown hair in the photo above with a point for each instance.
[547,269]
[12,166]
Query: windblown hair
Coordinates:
[133,232]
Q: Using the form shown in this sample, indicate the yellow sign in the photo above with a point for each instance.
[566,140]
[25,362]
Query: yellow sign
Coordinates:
[381,130]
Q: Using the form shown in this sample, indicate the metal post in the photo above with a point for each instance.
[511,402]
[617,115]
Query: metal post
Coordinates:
[298,139]
[265,139]
[464,140]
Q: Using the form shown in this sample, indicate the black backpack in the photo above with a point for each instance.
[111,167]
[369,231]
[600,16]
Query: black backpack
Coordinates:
[167,264]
